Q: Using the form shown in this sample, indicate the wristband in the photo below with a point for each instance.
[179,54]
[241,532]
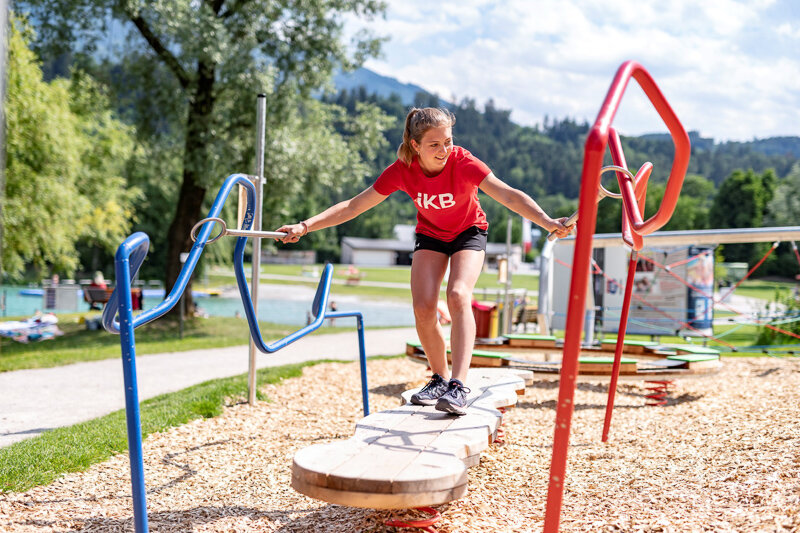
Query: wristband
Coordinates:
[305,226]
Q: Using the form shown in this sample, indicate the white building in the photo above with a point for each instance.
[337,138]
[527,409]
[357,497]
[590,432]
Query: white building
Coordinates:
[397,251]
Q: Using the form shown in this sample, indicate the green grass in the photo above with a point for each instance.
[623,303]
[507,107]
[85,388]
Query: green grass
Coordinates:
[40,460]
[764,290]
[161,336]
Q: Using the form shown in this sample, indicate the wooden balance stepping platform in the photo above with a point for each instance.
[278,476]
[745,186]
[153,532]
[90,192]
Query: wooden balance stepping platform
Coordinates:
[411,456]
[531,341]
[629,346]
[656,360]
[480,358]
[604,365]
[698,362]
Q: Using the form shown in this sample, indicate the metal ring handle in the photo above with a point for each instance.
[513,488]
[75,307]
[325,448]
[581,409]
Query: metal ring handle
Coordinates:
[615,168]
[209,219]
[602,193]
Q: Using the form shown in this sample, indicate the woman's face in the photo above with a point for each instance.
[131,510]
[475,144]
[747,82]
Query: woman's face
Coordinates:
[434,148]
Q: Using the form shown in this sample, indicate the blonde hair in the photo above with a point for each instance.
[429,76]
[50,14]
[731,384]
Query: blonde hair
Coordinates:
[418,121]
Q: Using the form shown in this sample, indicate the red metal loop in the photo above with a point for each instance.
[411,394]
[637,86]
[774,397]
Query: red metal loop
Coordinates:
[424,524]
[680,139]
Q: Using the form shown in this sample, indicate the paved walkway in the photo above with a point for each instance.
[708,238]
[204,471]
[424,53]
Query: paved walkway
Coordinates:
[34,401]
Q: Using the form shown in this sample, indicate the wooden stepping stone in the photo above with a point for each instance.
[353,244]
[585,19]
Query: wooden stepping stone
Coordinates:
[681,349]
[411,456]
[530,341]
[480,358]
[605,365]
[632,347]
[699,362]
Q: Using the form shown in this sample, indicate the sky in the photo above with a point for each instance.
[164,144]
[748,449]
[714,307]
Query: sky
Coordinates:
[730,69]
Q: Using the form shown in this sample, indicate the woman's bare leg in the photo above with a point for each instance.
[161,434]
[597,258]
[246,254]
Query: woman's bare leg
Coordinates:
[427,271]
[465,267]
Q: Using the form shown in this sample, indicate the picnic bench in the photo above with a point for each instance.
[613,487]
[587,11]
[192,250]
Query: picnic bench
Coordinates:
[99,295]
[526,314]
[410,456]
[96,295]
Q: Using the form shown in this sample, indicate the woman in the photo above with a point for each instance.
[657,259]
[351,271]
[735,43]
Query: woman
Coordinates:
[443,180]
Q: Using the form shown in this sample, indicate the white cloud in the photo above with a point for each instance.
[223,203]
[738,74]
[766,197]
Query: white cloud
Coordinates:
[725,65]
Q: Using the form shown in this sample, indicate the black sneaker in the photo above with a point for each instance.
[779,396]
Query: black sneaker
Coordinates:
[454,401]
[430,392]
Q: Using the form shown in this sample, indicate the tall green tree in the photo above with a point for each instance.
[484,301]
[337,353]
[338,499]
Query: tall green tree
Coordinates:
[65,162]
[784,208]
[743,202]
[209,59]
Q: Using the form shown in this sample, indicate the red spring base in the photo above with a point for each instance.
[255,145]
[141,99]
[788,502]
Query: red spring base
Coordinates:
[500,437]
[659,391]
[424,525]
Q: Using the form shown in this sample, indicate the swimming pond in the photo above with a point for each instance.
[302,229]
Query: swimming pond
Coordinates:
[25,301]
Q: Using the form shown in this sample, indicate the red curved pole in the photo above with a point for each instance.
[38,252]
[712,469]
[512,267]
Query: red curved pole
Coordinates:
[623,325]
[679,137]
[594,150]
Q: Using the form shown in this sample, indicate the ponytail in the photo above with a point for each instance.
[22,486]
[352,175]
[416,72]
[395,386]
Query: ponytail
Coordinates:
[419,121]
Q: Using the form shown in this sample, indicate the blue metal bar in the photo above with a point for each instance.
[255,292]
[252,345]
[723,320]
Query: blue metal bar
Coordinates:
[320,305]
[127,341]
[129,258]
[362,354]
[138,255]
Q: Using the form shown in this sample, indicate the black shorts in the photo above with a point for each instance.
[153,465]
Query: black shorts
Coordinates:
[472,238]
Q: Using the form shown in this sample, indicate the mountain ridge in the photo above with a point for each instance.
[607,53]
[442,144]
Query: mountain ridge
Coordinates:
[386,86]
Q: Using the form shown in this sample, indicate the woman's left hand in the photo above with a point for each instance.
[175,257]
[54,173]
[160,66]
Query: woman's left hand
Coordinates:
[293,232]
[559,228]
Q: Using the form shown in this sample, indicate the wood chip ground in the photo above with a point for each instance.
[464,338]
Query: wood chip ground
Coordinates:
[722,455]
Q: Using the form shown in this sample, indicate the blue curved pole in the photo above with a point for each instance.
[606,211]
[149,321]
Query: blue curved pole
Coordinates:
[320,312]
[129,258]
[138,255]
[122,268]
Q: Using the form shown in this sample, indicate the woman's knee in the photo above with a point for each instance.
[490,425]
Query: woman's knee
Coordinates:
[425,308]
[459,297]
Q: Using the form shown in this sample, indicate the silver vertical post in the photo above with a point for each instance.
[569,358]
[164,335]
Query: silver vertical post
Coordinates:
[508,315]
[259,183]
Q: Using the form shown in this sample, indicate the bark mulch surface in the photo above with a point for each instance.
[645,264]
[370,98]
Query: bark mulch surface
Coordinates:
[722,455]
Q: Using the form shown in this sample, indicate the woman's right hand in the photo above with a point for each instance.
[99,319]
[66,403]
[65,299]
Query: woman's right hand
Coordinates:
[293,232]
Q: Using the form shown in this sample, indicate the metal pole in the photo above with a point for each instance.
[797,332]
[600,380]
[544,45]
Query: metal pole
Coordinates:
[545,305]
[623,324]
[259,183]
[181,304]
[507,314]
[180,324]
[703,236]
[362,357]
[3,84]
[132,416]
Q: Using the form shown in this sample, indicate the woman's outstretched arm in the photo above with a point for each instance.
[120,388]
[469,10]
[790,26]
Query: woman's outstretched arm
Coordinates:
[334,215]
[522,204]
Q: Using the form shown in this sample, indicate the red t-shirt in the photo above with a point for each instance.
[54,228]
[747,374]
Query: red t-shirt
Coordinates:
[447,203]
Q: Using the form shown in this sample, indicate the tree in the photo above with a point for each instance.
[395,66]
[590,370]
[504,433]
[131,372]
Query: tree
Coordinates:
[742,202]
[211,58]
[784,208]
[65,160]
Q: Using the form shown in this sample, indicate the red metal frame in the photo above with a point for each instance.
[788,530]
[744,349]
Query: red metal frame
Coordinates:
[623,323]
[595,148]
